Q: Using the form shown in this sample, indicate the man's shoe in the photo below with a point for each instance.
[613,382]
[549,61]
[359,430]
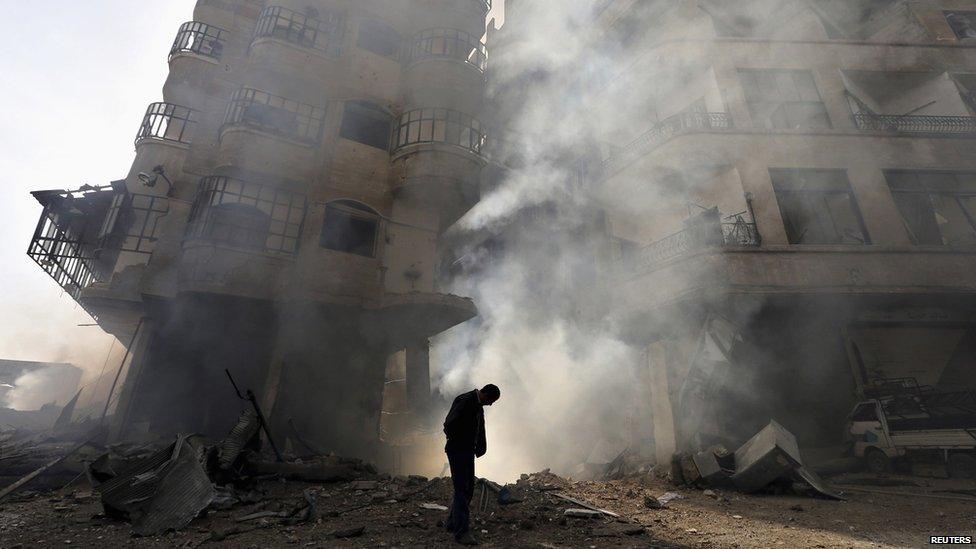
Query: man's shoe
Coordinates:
[466,539]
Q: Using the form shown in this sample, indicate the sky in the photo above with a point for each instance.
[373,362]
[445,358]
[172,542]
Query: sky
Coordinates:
[77,77]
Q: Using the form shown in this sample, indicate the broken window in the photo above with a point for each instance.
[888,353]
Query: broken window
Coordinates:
[818,207]
[938,208]
[350,227]
[784,99]
[378,38]
[963,23]
[366,123]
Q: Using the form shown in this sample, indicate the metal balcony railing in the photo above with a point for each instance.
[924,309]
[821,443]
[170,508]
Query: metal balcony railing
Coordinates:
[199,38]
[65,242]
[738,233]
[167,122]
[275,114]
[439,126]
[946,125]
[449,44]
[322,32]
[686,122]
[247,215]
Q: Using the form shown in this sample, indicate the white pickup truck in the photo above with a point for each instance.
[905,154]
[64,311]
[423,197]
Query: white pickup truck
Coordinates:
[886,429]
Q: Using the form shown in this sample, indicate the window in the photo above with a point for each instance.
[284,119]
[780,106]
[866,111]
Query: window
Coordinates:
[818,207]
[784,99]
[275,114]
[439,126]
[366,123]
[247,215]
[351,228]
[199,38]
[321,32]
[939,209]
[378,38]
[963,23]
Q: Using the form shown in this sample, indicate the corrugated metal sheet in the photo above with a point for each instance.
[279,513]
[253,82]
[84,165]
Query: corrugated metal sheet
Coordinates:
[231,447]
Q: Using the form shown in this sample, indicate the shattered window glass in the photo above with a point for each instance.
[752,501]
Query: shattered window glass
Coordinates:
[818,207]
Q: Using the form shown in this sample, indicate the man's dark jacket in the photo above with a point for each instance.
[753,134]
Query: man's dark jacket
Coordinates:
[465,425]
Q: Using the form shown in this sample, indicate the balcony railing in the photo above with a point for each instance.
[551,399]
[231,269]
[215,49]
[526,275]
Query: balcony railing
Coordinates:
[65,242]
[738,233]
[199,38]
[167,122]
[686,122]
[449,44]
[439,126]
[322,32]
[247,215]
[275,114]
[948,125]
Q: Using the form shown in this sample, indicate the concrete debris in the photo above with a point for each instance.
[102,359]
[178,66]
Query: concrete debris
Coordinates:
[346,533]
[364,485]
[321,469]
[769,455]
[582,513]
[433,507]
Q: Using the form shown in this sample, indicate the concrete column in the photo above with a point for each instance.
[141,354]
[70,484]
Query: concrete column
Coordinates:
[831,86]
[881,216]
[665,441]
[138,356]
[418,375]
[754,173]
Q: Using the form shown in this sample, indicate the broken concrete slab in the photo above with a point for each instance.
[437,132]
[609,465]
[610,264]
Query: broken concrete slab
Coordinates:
[769,455]
[817,483]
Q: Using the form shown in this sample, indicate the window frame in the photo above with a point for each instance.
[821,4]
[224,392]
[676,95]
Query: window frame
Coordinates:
[929,193]
[365,110]
[353,210]
[776,99]
[785,196]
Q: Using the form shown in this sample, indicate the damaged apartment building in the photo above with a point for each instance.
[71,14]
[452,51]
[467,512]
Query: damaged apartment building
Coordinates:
[282,217]
[789,203]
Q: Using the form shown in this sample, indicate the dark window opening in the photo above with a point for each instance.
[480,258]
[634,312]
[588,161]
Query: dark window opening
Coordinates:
[378,38]
[963,23]
[865,412]
[366,123]
[351,228]
[938,209]
[818,207]
[240,225]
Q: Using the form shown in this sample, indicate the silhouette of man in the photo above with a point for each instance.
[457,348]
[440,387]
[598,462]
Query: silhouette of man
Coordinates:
[465,430]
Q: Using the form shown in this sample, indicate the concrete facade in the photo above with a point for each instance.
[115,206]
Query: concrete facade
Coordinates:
[305,160]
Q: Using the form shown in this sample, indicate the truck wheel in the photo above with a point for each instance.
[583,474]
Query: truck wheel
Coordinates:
[961,466]
[877,461]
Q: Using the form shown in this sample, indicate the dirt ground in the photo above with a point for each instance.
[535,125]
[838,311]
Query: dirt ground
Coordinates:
[390,514]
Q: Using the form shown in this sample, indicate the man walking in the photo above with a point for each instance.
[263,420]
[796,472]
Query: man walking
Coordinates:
[465,430]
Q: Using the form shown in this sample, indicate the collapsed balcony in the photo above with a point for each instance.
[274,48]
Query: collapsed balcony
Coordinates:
[908,102]
[81,233]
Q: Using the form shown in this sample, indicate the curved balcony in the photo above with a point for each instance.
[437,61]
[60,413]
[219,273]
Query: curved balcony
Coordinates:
[438,126]
[686,122]
[196,38]
[167,122]
[442,43]
[274,114]
[320,32]
[247,216]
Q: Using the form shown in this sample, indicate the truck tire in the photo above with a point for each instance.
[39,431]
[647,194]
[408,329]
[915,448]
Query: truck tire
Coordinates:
[877,461]
[961,466]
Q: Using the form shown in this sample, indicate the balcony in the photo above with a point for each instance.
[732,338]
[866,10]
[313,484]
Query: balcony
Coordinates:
[247,216]
[276,115]
[319,32]
[449,44]
[439,126]
[734,232]
[195,38]
[168,123]
[934,125]
[660,133]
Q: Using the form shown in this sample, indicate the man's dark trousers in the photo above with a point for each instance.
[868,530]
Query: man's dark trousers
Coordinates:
[462,475]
